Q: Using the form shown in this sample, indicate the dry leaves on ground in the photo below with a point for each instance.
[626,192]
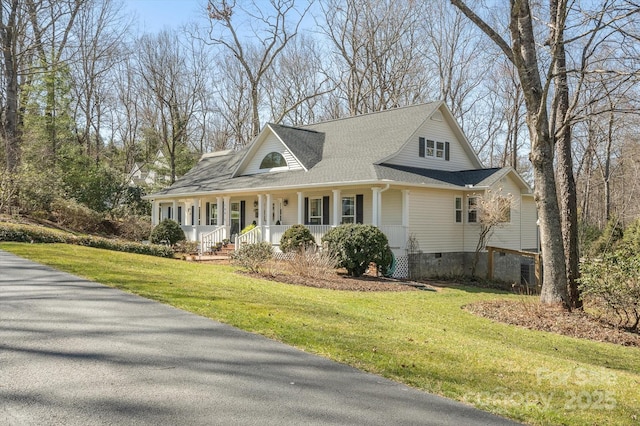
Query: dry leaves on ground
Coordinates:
[534,316]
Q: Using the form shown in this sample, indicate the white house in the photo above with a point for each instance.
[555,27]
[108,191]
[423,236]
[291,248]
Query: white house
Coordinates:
[409,171]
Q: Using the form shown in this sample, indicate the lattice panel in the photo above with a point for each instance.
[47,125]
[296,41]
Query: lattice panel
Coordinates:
[402,267]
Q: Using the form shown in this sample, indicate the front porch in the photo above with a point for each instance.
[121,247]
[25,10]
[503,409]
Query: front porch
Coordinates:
[396,234]
[212,219]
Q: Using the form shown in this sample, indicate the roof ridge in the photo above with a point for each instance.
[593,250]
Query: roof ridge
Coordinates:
[372,113]
[294,127]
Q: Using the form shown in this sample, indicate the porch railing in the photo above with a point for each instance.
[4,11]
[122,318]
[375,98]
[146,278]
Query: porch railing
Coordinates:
[251,237]
[276,231]
[396,234]
[211,238]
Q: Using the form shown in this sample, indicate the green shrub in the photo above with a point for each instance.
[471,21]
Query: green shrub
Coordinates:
[297,238]
[75,216]
[631,238]
[608,241]
[39,234]
[253,256]
[247,228]
[614,282]
[356,246]
[31,234]
[167,232]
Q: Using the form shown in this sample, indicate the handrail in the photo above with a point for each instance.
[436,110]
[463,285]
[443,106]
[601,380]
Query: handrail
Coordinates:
[210,239]
[250,237]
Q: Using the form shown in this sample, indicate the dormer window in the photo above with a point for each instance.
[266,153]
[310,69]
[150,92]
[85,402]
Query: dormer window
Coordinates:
[429,148]
[273,160]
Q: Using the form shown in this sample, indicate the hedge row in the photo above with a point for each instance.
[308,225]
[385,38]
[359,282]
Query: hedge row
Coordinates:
[37,234]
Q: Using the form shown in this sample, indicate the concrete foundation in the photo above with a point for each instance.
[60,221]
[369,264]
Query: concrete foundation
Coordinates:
[507,267]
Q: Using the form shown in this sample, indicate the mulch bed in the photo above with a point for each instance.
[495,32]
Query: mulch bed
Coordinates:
[534,316]
[342,282]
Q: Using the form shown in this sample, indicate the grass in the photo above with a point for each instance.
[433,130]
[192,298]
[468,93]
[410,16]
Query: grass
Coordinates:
[423,339]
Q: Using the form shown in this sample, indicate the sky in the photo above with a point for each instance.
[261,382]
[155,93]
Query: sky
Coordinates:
[154,15]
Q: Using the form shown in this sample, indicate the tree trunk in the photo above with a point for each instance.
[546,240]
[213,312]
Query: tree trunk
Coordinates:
[11,119]
[554,287]
[564,175]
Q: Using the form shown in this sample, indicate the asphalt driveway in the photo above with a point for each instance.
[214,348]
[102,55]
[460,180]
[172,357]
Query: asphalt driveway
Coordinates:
[73,352]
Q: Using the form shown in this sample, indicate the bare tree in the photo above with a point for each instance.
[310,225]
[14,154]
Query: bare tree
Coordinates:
[379,63]
[172,75]
[296,82]
[99,33]
[11,26]
[273,28]
[493,210]
[523,53]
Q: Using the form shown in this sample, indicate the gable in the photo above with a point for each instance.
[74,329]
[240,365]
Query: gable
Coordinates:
[438,143]
[265,145]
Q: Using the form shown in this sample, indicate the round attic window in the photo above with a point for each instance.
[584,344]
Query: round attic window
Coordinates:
[273,160]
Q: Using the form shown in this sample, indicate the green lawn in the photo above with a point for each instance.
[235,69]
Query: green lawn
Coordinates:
[423,339]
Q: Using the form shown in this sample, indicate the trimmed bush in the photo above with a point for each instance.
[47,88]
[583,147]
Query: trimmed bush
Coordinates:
[167,232]
[38,234]
[75,216]
[614,282]
[253,256]
[356,246]
[297,238]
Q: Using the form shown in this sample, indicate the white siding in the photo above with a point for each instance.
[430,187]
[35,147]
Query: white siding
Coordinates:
[432,221]
[271,143]
[441,132]
[391,207]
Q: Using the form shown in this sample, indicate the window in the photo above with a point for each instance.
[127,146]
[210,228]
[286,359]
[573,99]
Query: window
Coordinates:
[430,148]
[213,214]
[273,160]
[458,209]
[504,204]
[315,211]
[348,209]
[472,209]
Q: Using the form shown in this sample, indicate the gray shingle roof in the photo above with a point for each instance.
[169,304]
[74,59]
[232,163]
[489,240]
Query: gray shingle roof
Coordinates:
[344,151]
[307,145]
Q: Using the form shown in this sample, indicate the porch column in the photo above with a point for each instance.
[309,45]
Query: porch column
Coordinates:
[260,211]
[300,208]
[337,204]
[267,231]
[405,207]
[375,206]
[227,213]
[154,212]
[174,211]
[405,213]
[220,210]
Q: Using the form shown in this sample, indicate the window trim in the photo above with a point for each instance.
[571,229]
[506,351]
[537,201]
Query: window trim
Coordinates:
[320,218]
[278,167]
[342,215]
[474,209]
[213,218]
[458,210]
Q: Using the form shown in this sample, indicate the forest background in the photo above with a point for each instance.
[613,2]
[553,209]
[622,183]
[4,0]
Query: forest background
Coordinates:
[88,94]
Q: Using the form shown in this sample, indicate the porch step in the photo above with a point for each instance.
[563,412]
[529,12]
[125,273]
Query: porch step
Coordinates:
[208,258]
[226,251]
